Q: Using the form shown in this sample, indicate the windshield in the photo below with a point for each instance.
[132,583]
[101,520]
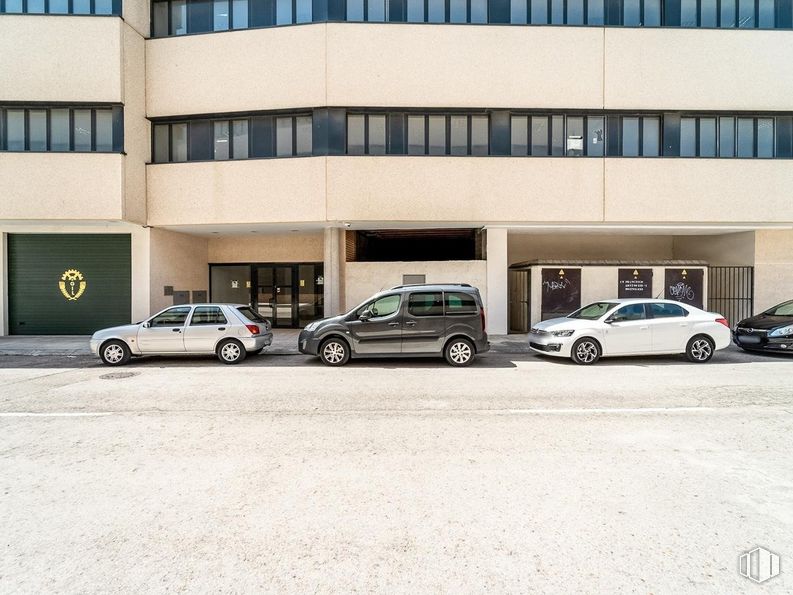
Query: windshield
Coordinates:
[785,309]
[593,311]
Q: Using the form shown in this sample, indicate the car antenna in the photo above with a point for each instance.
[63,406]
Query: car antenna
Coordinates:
[658,297]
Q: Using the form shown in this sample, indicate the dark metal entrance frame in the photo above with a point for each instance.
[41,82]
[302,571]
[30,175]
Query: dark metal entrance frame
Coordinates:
[731,292]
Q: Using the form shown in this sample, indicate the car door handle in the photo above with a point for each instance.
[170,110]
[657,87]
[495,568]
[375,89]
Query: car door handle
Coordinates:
[221,328]
[644,328]
[393,324]
[177,330]
[410,323]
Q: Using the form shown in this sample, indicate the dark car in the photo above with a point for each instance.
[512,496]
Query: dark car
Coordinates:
[770,331]
[406,321]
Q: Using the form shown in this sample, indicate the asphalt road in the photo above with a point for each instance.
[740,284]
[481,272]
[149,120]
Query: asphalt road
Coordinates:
[518,474]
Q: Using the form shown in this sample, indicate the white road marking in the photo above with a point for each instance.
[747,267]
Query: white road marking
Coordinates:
[55,414]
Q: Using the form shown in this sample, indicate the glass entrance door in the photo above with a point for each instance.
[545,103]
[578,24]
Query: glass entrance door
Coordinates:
[275,294]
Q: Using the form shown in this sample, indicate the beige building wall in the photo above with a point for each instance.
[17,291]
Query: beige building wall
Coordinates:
[292,247]
[136,127]
[773,273]
[179,260]
[731,249]
[136,15]
[525,247]
[60,59]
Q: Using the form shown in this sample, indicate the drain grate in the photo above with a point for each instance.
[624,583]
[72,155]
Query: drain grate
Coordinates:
[118,375]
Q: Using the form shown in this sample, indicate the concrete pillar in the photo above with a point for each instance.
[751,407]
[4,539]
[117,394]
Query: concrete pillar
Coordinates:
[333,255]
[497,275]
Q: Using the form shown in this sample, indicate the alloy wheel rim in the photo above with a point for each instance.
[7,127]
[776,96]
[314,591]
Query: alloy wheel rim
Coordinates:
[230,352]
[701,349]
[460,353]
[333,352]
[114,353]
[586,352]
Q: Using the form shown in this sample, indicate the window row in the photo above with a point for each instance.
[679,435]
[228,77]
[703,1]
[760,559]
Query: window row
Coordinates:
[335,131]
[181,17]
[79,7]
[237,138]
[61,129]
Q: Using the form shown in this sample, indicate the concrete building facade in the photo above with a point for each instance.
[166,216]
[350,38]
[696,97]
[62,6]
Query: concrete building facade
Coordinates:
[300,155]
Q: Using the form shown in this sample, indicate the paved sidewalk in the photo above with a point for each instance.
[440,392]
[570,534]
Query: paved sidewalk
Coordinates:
[284,343]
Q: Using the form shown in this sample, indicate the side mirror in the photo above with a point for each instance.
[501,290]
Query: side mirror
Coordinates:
[365,315]
[609,321]
[146,324]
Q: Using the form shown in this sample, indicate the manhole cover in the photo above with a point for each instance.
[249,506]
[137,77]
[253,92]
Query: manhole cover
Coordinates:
[118,375]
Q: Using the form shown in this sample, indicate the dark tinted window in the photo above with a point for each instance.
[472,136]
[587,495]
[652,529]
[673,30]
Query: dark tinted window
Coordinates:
[171,317]
[251,314]
[426,304]
[461,303]
[629,312]
[666,310]
[208,315]
[785,309]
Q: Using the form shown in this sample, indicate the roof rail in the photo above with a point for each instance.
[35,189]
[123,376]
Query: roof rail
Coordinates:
[432,285]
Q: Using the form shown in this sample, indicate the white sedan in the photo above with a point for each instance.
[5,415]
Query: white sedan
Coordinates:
[632,327]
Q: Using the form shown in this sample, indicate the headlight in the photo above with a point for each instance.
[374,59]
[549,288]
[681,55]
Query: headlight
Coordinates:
[312,325]
[562,333]
[782,332]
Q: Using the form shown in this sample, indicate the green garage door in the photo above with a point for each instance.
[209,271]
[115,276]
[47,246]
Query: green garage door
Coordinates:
[68,284]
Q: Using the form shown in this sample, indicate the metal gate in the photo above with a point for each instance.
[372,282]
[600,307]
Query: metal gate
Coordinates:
[731,292]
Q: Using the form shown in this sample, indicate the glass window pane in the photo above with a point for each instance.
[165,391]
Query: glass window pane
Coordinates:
[652,13]
[784,137]
[159,17]
[304,135]
[745,137]
[355,10]
[437,135]
[539,12]
[15,129]
[59,130]
[651,136]
[632,13]
[82,130]
[458,11]
[726,137]
[179,142]
[596,135]
[688,137]
[37,130]
[59,6]
[539,136]
[283,137]
[478,11]
[178,17]
[766,14]
[630,137]
[13,6]
[415,135]
[220,15]
[436,11]
[520,135]
[575,136]
[104,130]
[459,135]
[220,139]
[161,143]
[480,132]
[376,11]
[575,12]
[765,137]
[355,134]
[239,14]
[745,18]
[707,137]
[727,14]
[103,7]
[84,7]
[36,6]
[377,135]
[239,131]
[708,13]
[595,12]
[557,135]
[518,12]
[304,11]
[283,12]
[415,11]
[688,13]
[557,12]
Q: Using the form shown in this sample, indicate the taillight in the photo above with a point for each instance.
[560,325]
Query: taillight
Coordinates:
[723,321]
[482,316]
[253,328]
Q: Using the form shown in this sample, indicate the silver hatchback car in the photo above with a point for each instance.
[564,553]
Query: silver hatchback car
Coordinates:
[230,331]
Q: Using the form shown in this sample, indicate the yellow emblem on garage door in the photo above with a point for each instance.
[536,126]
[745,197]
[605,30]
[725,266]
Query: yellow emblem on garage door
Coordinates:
[72,284]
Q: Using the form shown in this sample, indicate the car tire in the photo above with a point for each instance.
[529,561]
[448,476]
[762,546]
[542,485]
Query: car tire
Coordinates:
[334,352]
[231,351]
[256,351]
[459,352]
[115,353]
[700,349]
[585,351]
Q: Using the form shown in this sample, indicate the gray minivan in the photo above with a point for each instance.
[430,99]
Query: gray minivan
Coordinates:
[406,321]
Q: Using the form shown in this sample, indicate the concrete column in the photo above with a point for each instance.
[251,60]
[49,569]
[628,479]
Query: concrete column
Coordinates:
[333,256]
[497,275]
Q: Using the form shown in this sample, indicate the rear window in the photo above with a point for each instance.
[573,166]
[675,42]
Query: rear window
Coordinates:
[461,303]
[207,315]
[667,311]
[251,314]
[426,304]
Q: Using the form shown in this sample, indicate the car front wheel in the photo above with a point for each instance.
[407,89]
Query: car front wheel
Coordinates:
[585,351]
[231,351]
[459,352]
[334,352]
[115,353]
[700,349]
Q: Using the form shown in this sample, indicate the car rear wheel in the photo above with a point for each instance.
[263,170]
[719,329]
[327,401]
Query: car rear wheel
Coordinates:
[115,353]
[231,351]
[256,351]
[334,352]
[700,349]
[459,352]
[585,351]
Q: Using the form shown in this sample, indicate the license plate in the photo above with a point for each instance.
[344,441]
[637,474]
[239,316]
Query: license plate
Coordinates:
[749,340]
